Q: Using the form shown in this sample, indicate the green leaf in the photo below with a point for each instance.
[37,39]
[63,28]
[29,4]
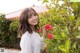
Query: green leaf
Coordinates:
[66,0]
[63,34]
[74,45]
[44,1]
[62,48]
[67,45]
[64,11]
[58,37]
[65,48]
[78,36]
[66,29]
[77,23]
[71,17]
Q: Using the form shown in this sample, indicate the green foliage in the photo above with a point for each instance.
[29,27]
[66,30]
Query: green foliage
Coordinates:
[65,20]
[14,31]
[8,31]
[45,1]
[65,48]
[4,26]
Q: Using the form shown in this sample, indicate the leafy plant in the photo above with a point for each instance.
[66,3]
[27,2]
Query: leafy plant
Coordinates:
[65,20]
[4,29]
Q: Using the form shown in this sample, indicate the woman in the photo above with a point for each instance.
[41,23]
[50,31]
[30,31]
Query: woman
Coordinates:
[30,42]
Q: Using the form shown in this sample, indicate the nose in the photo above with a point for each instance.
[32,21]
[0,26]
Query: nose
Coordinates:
[35,17]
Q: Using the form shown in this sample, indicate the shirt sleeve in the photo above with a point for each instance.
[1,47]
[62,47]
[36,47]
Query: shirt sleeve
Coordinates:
[25,44]
[43,44]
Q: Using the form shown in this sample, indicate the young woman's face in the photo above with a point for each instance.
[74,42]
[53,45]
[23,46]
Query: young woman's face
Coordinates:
[33,20]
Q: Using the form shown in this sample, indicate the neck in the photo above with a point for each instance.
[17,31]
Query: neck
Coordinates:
[32,27]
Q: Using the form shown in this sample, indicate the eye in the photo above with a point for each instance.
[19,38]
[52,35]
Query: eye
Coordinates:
[29,16]
[35,14]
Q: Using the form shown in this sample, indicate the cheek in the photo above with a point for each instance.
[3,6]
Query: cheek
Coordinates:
[29,21]
[33,21]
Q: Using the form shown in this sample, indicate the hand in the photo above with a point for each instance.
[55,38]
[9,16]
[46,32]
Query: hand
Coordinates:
[44,31]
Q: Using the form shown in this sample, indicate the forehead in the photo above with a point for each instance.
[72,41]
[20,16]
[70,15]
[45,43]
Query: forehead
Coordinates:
[31,12]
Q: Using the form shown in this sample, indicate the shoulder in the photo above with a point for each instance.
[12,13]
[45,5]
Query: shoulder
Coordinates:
[36,33]
[25,34]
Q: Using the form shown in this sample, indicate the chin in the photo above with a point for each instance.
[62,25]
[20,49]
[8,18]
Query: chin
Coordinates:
[35,24]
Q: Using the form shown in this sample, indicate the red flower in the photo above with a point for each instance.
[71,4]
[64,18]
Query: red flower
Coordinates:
[46,51]
[48,27]
[50,36]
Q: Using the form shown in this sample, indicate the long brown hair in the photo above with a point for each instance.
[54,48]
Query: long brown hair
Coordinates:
[23,22]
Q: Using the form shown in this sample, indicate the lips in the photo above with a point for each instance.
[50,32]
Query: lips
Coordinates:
[35,20]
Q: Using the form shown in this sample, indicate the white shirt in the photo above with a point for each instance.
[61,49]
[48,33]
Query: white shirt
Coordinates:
[31,43]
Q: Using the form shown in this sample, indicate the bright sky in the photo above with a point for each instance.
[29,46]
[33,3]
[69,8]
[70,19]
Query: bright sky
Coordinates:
[7,6]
